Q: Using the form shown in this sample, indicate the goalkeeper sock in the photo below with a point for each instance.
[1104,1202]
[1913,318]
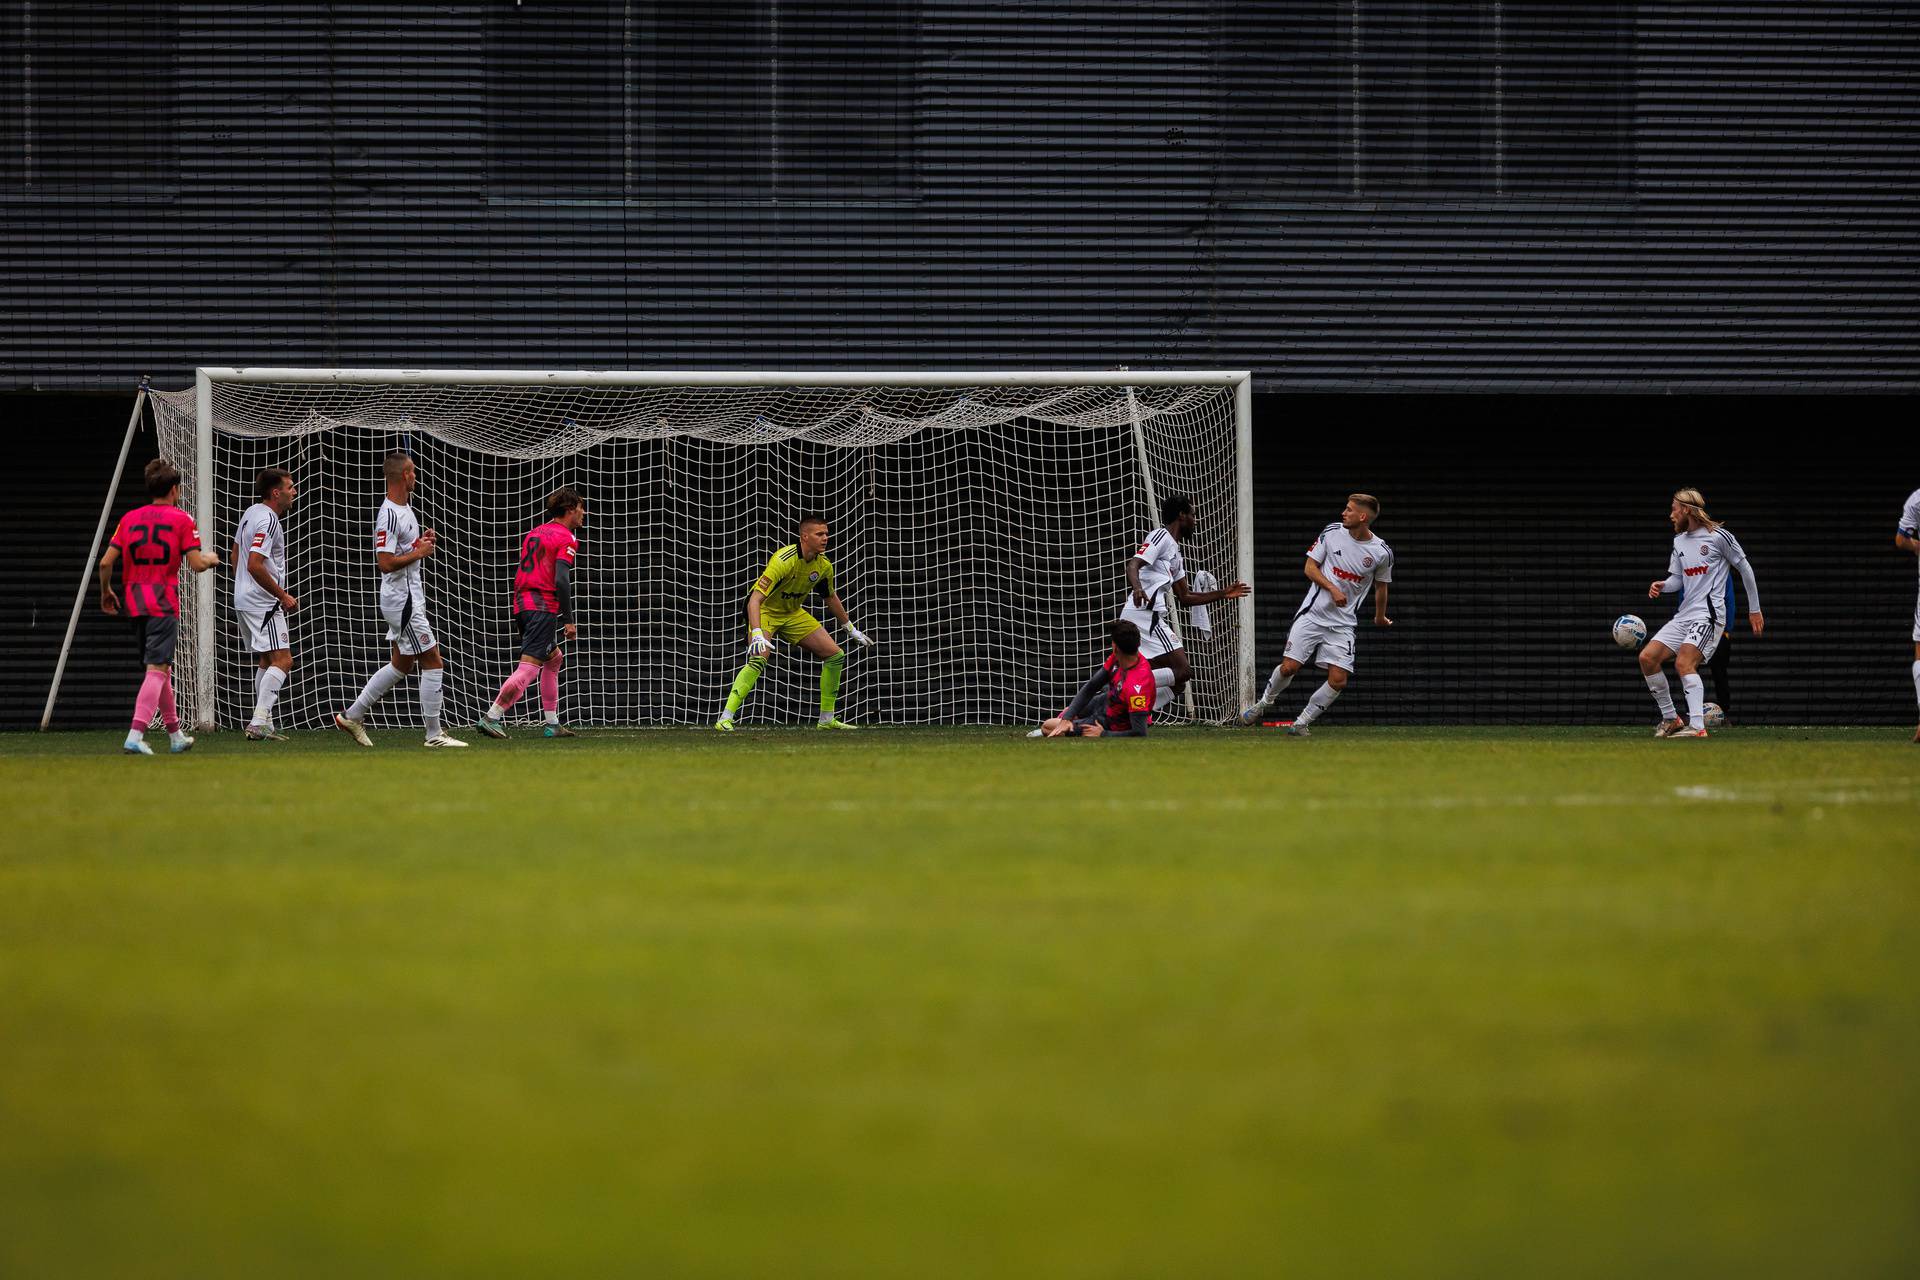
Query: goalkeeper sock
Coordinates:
[1662,695]
[743,685]
[516,684]
[430,686]
[377,685]
[1696,699]
[269,693]
[1322,699]
[830,685]
[1276,685]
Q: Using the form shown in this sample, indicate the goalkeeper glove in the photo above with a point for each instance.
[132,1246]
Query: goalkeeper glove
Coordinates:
[859,637]
[758,646]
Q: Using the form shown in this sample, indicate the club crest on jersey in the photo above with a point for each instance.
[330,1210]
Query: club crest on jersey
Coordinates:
[814,576]
[1366,562]
[1703,549]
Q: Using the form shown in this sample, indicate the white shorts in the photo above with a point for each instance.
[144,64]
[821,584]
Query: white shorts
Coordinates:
[264,629]
[408,628]
[1308,636]
[1702,633]
[1156,633]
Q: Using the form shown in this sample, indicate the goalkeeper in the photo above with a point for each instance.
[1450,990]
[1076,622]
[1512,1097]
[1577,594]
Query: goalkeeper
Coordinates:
[776,611]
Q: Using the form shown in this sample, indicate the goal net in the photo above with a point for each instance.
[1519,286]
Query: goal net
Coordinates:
[980,527]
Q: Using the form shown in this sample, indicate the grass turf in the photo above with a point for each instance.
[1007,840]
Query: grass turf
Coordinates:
[1384,1002]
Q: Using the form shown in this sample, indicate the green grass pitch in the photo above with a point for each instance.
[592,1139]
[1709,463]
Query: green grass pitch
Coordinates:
[1417,1002]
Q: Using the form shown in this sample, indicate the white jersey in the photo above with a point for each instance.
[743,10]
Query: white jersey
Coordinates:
[1354,566]
[1161,565]
[395,530]
[1910,517]
[1702,560]
[259,533]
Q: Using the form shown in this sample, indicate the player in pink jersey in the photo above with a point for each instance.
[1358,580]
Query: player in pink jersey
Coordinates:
[153,541]
[1127,680]
[543,605]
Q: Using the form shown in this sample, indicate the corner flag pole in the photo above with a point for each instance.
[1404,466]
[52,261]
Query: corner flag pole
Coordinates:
[93,555]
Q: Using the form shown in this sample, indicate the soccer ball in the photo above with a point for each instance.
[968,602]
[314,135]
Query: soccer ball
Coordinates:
[1629,632]
[1713,715]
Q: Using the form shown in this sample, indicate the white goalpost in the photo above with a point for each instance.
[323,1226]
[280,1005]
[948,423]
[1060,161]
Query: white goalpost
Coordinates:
[980,526]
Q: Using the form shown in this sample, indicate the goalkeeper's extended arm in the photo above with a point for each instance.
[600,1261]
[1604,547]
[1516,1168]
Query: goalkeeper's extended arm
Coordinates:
[854,633]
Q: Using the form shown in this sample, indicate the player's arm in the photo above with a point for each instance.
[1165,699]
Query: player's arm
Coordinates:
[1671,583]
[1755,618]
[423,548]
[1082,705]
[1907,535]
[258,570]
[1315,574]
[1189,597]
[200,561]
[109,602]
[1137,722]
[758,645]
[1133,580]
[1907,541]
[1380,589]
[563,592]
[854,633]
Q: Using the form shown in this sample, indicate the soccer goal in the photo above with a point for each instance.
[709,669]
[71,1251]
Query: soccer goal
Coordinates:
[980,525]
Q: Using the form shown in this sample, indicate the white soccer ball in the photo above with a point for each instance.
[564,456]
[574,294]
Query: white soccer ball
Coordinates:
[1629,632]
[1713,715]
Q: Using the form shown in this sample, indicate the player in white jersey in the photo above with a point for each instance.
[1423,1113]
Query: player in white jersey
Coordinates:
[1907,538]
[1157,583]
[1343,564]
[261,601]
[399,545]
[1703,554]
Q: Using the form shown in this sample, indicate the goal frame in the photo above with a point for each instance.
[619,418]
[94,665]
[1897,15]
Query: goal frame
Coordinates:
[1240,380]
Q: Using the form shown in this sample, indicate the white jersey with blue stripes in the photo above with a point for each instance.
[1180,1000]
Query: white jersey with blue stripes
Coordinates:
[1702,561]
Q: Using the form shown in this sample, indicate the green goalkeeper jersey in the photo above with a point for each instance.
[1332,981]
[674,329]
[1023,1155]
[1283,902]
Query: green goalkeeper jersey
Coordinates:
[789,580]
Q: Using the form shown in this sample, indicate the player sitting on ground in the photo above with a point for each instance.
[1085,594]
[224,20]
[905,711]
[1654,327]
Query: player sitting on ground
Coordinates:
[1126,678]
[261,601]
[542,602]
[154,539]
[1156,572]
[1907,538]
[1343,563]
[399,545]
[1703,553]
[775,611]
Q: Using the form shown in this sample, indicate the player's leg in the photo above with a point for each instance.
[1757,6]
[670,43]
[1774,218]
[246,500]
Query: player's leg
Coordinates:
[1916,667]
[146,704]
[1653,660]
[832,662]
[1717,666]
[1321,698]
[433,676]
[267,636]
[550,695]
[1303,638]
[380,683]
[749,675]
[1687,661]
[536,642]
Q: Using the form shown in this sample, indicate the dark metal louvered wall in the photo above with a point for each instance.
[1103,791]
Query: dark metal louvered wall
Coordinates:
[1338,194]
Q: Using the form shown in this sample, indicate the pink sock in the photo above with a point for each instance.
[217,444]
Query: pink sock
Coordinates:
[149,700]
[169,714]
[516,684]
[550,681]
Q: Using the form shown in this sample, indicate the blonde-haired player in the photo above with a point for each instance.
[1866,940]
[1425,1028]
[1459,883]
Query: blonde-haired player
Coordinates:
[1704,552]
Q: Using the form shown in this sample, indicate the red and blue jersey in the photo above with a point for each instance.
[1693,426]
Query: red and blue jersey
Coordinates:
[152,541]
[541,551]
[1130,692]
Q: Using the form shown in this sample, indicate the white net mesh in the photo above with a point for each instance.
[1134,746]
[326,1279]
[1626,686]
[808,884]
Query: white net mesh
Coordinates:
[979,535]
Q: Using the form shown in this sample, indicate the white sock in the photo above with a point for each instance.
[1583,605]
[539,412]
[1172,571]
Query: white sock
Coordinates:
[178,735]
[1322,699]
[430,685]
[1276,685]
[1916,679]
[377,685]
[269,684]
[496,711]
[553,717]
[1662,695]
[1163,689]
[1696,690]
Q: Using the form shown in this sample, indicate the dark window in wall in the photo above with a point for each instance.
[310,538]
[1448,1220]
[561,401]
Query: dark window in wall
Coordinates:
[1366,98]
[88,106]
[733,99]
